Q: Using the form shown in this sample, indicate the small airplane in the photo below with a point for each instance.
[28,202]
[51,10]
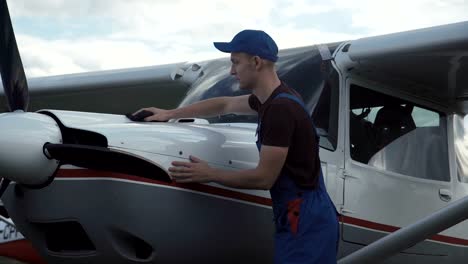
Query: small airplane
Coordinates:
[88,187]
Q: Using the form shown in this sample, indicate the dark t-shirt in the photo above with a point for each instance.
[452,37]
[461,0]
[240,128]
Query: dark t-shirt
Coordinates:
[286,124]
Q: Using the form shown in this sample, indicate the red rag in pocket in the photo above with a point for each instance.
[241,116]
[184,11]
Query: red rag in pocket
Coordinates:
[294,208]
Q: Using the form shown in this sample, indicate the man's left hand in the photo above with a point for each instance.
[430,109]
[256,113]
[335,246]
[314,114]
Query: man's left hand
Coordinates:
[196,170]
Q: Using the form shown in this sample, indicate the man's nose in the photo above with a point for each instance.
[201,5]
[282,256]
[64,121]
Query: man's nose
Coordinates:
[233,71]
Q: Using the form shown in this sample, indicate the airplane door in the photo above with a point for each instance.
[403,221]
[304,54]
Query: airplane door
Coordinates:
[396,166]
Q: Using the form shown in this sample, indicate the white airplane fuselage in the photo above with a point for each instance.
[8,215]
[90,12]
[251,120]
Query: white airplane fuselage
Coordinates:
[116,209]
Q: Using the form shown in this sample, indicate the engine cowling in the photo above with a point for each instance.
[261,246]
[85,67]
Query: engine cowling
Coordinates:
[22,156]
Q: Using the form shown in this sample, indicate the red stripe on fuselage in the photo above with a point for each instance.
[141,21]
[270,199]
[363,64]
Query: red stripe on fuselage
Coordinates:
[368,224]
[86,173]
[21,250]
[390,229]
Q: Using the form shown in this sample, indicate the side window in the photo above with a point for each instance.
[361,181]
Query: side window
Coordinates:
[396,135]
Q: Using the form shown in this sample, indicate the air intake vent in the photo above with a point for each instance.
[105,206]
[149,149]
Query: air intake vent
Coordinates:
[132,247]
[66,238]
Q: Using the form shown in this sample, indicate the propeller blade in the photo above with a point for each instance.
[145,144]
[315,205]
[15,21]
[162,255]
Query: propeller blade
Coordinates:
[11,68]
[4,185]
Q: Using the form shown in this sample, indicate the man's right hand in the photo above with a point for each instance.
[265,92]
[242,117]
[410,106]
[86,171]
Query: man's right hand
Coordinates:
[158,114]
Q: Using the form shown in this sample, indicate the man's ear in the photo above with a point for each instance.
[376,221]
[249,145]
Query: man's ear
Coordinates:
[258,62]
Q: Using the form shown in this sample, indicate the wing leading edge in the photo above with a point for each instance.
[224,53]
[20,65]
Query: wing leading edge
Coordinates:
[112,91]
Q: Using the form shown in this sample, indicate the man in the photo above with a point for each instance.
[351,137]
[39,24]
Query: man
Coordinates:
[289,166]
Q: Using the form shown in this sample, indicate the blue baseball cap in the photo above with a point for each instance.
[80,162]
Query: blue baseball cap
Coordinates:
[253,42]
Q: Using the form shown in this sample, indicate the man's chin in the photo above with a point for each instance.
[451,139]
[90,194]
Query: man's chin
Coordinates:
[244,87]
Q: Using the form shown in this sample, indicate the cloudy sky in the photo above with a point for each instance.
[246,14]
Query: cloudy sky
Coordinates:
[69,36]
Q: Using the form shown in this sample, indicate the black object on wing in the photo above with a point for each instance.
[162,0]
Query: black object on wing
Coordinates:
[140,116]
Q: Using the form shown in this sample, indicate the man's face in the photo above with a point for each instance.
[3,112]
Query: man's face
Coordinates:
[243,68]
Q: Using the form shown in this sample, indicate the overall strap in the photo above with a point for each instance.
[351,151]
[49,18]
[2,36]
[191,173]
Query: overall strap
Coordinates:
[301,103]
[294,98]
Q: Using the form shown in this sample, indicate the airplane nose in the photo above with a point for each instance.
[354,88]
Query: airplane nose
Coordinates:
[22,138]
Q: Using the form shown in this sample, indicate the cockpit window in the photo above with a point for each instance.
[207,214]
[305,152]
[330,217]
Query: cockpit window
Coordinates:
[396,135]
[302,69]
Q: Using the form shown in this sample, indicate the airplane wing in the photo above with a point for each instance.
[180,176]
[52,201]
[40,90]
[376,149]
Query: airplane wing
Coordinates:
[112,91]
[430,63]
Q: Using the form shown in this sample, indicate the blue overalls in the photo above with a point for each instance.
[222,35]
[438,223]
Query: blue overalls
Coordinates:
[306,220]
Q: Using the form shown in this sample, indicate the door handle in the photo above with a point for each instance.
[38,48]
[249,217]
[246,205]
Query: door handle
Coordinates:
[445,195]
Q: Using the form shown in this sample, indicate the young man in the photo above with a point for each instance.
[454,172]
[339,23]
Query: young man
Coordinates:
[289,166]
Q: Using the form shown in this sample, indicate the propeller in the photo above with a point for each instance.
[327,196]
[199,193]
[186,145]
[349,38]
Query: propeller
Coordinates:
[13,77]
[22,134]
[34,145]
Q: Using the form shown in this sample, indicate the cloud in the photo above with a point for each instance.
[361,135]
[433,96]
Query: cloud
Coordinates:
[61,36]
[60,8]
[400,15]
[45,57]
[141,32]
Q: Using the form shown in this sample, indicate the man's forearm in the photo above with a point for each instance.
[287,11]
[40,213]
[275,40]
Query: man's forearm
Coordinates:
[245,179]
[206,108]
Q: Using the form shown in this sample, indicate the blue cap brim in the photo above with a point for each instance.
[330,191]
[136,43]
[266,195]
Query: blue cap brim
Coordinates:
[223,46]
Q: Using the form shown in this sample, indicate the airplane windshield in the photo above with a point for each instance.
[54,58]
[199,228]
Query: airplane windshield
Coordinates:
[300,68]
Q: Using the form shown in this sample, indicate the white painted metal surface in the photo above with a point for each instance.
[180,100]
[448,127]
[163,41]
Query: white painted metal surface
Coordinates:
[21,153]
[228,146]
[222,145]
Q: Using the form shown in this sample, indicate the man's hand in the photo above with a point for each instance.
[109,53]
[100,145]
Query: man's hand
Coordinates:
[262,177]
[195,171]
[158,114]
